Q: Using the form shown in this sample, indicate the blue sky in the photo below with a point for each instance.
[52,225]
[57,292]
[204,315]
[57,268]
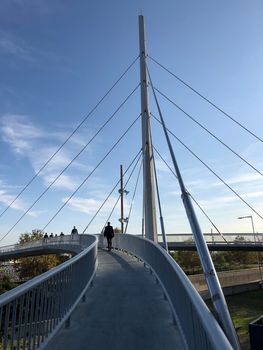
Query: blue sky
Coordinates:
[58,58]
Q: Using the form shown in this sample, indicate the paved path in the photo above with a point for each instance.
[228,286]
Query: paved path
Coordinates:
[125,310]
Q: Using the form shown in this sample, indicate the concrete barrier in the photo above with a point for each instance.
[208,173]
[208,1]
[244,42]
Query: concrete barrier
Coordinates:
[232,282]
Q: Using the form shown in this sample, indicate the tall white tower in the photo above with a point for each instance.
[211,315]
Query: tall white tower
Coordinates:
[150,227]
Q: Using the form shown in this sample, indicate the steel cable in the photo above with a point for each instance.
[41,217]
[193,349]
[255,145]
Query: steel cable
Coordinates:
[77,187]
[134,193]
[84,181]
[77,155]
[69,137]
[101,206]
[207,100]
[210,169]
[199,206]
[208,131]
[124,187]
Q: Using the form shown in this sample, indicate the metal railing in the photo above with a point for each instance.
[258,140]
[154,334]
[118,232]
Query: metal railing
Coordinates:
[32,313]
[78,242]
[215,238]
[198,327]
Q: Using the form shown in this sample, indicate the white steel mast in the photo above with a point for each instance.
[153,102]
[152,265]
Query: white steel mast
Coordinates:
[150,227]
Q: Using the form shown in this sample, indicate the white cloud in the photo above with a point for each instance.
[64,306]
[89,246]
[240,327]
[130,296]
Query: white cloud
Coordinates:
[90,205]
[161,166]
[243,178]
[38,146]
[18,132]
[63,182]
[11,46]
[14,46]
[6,197]
[252,194]
[218,201]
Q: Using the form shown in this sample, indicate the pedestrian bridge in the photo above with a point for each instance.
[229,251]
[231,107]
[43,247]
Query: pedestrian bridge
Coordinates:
[140,299]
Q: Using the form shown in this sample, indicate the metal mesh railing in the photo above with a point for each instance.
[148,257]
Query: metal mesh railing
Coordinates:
[198,327]
[33,312]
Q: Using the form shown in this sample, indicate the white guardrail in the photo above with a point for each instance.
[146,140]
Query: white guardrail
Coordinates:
[76,242]
[216,238]
[32,313]
[197,325]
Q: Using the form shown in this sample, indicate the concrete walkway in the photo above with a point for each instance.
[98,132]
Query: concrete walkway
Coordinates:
[125,310]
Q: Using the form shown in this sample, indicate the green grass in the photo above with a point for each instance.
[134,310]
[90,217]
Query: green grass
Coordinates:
[244,308]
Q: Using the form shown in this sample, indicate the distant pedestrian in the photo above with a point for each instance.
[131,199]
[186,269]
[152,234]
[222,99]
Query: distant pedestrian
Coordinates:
[51,235]
[61,234]
[74,231]
[45,237]
[109,234]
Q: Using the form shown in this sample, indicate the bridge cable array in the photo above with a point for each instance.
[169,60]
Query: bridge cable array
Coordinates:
[85,180]
[215,137]
[213,284]
[136,158]
[69,137]
[21,217]
[158,198]
[114,206]
[208,131]
[207,100]
[111,212]
[74,158]
[133,197]
[210,169]
[199,206]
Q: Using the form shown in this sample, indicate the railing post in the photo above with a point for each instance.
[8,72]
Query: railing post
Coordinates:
[68,322]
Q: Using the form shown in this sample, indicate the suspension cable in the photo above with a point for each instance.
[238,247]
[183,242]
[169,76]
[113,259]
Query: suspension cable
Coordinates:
[112,210]
[124,187]
[213,284]
[69,137]
[211,170]
[208,131]
[77,155]
[199,206]
[134,193]
[206,99]
[83,182]
[165,246]
[138,155]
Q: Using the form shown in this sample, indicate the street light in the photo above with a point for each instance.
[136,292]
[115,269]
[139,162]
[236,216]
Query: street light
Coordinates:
[253,228]
[252,223]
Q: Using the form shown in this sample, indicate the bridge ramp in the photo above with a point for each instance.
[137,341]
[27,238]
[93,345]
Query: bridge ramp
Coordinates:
[125,310]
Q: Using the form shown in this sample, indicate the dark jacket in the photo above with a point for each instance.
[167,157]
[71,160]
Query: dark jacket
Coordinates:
[109,232]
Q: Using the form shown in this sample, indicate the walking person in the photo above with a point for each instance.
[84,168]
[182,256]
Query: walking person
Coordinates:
[74,231]
[109,234]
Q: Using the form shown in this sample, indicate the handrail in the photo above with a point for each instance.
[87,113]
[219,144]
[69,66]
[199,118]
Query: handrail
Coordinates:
[215,237]
[198,327]
[66,239]
[65,244]
[33,312]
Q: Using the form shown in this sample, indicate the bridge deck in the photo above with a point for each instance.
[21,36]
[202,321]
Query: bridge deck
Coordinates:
[124,310]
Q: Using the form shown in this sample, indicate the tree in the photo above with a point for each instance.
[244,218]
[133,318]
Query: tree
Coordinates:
[188,260]
[30,267]
[117,230]
[5,281]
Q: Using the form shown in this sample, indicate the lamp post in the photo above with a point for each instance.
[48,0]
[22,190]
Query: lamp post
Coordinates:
[253,228]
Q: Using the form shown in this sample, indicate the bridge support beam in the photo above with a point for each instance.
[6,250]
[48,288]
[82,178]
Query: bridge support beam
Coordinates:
[212,280]
[149,210]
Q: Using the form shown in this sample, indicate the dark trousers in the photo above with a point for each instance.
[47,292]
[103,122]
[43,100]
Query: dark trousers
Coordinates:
[109,240]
